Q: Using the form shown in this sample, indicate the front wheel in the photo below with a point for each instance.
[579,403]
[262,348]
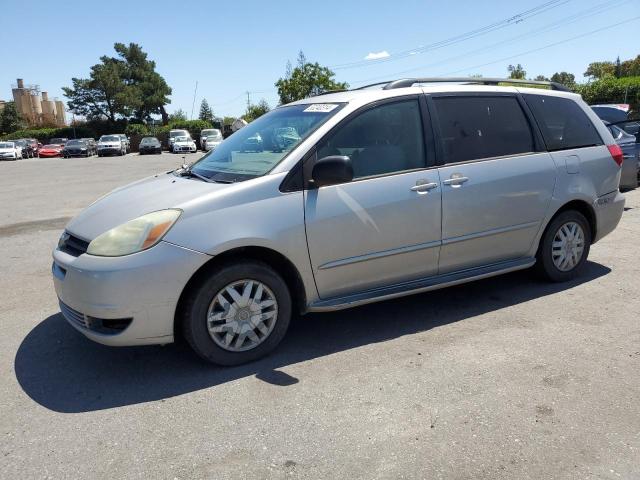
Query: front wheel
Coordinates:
[238,314]
[564,247]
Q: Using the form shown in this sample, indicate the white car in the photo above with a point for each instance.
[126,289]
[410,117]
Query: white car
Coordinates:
[173,134]
[210,138]
[184,144]
[10,151]
[111,145]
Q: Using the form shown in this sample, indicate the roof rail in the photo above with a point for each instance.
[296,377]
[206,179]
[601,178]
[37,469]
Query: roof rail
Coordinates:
[408,82]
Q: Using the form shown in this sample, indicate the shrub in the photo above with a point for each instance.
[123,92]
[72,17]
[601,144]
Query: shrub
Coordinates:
[136,129]
[612,90]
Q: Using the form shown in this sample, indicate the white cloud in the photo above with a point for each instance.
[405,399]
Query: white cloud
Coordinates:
[377,55]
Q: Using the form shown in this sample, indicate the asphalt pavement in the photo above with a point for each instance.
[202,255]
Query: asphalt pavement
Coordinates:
[505,378]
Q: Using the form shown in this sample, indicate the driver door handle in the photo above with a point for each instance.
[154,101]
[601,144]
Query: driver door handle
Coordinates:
[423,187]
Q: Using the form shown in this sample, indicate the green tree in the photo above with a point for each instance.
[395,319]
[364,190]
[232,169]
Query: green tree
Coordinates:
[630,68]
[541,78]
[150,90]
[205,111]
[256,111]
[564,78]
[598,70]
[10,120]
[517,72]
[178,116]
[306,80]
[126,86]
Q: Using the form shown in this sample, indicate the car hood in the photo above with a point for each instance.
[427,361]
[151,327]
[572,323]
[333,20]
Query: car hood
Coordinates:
[185,142]
[6,150]
[109,144]
[131,201]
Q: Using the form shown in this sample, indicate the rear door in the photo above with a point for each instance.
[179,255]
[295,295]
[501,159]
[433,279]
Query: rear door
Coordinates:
[496,183]
[383,227]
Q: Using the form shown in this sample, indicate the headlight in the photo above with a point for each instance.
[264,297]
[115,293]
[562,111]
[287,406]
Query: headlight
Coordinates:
[134,236]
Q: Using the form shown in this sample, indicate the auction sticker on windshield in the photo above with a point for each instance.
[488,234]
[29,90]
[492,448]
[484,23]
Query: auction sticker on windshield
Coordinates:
[321,107]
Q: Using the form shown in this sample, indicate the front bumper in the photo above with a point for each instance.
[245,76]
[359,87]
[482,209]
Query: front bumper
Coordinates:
[76,153]
[142,289]
[110,151]
[608,210]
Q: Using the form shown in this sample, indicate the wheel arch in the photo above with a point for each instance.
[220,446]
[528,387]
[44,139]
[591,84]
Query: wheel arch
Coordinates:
[578,205]
[274,259]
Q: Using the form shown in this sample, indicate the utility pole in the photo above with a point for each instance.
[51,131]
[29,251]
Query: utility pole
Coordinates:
[194,100]
[248,100]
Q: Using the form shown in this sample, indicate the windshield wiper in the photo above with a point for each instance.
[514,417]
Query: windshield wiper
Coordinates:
[185,171]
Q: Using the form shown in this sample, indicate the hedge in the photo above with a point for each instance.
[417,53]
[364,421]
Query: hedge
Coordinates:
[612,90]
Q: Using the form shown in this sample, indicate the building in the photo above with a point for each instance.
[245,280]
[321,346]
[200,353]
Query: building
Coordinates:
[35,109]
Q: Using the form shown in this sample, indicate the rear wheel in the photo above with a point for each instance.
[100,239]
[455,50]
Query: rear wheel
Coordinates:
[238,314]
[564,247]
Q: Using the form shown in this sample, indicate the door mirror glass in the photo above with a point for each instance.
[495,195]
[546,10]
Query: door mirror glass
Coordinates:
[332,170]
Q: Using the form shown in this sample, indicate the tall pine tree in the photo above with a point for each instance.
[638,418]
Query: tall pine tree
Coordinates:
[205,111]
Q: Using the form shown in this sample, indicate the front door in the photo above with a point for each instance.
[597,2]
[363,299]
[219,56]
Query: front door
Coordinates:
[383,227]
[495,187]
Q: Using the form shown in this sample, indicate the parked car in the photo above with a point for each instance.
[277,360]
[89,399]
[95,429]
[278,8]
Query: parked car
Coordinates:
[630,175]
[173,134]
[27,149]
[210,138]
[10,150]
[126,142]
[388,192]
[111,145]
[51,150]
[58,141]
[91,144]
[33,145]
[184,144]
[76,148]
[620,113]
[149,145]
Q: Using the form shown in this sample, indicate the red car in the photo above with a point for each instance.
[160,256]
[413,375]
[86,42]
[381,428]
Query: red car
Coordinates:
[50,151]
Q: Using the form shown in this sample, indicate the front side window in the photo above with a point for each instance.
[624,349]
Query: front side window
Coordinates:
[563,124]
[255,149]
[473,127]
[382,140]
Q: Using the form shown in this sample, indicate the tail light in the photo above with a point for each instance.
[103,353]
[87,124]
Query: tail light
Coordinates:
[616,154]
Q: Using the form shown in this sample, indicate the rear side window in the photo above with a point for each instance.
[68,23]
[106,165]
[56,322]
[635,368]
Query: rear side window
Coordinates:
[563,123]
[473,127]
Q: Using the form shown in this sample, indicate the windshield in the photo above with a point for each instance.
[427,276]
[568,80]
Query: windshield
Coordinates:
[58,140]
[75,142]
[178,133]
[182,139]
[55,145]
[6,145]
[255,149]
[149,140]
[110,138]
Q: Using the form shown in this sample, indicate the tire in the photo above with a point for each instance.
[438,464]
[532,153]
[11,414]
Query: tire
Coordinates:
[203,297]
[545,264]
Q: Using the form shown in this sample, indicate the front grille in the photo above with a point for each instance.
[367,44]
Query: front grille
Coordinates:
[106,326]
[72,245]
[73,316]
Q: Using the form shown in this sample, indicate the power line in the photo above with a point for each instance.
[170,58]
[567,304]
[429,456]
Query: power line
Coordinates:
[543,47]
[589,12]
[514,19]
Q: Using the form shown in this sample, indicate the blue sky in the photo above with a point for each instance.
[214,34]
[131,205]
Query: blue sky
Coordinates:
[233,47]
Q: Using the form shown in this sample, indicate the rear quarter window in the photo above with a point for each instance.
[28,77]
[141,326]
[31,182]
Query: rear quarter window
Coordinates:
[564,125]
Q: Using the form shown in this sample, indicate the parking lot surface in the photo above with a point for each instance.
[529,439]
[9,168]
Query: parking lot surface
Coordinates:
[505,378]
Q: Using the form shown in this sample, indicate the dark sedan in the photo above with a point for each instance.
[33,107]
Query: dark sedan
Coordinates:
[76,148]
[149,145]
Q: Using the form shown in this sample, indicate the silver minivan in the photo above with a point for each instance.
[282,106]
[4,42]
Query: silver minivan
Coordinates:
[384,191]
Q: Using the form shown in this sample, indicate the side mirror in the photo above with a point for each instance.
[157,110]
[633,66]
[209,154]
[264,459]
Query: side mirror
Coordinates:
[332,170]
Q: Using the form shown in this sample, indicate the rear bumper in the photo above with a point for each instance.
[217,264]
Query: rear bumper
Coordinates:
[608,209]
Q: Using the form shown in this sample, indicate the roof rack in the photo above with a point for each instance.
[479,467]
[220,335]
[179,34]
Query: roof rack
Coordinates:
[408,82]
